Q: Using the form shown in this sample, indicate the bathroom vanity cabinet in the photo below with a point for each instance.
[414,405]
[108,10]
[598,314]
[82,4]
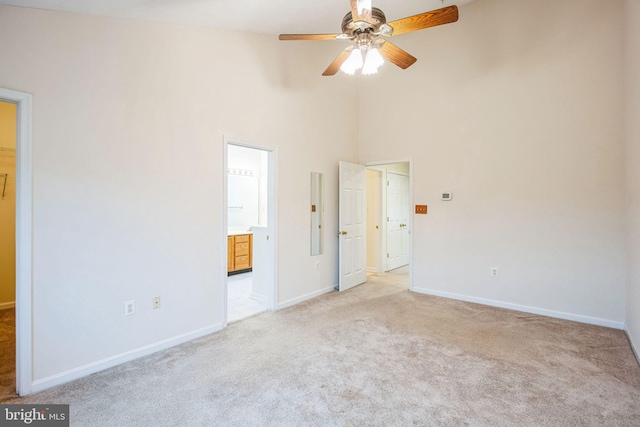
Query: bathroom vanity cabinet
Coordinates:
[239,253]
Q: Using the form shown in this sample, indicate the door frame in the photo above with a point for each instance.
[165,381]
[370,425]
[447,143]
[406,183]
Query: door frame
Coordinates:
[272,218]
[374,165]
[24,231]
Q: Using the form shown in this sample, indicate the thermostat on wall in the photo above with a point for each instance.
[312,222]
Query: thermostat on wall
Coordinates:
[447,196]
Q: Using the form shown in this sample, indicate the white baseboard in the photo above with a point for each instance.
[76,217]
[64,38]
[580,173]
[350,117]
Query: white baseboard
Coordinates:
[527,309]
[306,297]
[633,347]
[112,361]
[7,305]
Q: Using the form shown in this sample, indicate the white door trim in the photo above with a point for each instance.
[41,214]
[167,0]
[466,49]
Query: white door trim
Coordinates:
[24,231]
[272,218]
[373,164]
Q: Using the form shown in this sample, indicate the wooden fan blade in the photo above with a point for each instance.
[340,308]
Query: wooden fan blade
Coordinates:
[307,36]
[446,15]
[393,53]
[365,14]
[333,68]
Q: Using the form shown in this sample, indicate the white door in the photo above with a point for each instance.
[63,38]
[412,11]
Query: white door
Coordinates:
[397,220]
[352,223]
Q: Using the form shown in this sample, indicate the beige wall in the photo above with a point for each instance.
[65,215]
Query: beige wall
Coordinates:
[128,125]
[8,206]
[517,109]
[632,91]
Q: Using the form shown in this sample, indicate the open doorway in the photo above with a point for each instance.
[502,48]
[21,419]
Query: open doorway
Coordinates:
[23,239]
[375,223]
[250,212]
[8,138]
[389,221]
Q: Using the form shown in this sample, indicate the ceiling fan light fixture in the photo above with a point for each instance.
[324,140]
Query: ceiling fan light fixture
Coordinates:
[366,27]
[353,63]
[372,62]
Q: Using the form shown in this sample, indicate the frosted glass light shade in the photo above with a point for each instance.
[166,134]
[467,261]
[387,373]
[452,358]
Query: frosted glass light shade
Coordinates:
[372,62]
[353,62]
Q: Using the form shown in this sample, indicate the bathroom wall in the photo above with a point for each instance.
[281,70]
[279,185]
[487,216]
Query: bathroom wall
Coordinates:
[247,186]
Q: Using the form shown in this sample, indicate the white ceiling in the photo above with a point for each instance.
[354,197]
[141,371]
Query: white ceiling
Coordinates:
[256,16]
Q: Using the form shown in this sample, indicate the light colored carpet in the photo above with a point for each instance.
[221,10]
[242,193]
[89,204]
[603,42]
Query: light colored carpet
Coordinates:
[376,355]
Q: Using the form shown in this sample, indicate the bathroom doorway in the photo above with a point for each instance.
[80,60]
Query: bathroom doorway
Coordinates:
[250,225]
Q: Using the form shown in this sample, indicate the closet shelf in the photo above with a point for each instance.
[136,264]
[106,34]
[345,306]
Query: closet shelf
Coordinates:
[7,150]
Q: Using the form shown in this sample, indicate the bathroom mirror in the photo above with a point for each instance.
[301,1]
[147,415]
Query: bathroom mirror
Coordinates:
[317,214]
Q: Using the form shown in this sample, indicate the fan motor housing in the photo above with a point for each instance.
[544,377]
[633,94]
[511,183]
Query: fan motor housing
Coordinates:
[352,28]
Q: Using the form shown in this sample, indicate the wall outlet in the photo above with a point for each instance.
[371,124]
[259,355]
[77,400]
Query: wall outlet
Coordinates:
[494,271]
[317,265]
[155,302]
[129,308]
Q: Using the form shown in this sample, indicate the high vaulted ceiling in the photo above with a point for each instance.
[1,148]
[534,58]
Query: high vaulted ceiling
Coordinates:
[256,16]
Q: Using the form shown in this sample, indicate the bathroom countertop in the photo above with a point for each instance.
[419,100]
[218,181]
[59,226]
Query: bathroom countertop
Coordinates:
[239,230]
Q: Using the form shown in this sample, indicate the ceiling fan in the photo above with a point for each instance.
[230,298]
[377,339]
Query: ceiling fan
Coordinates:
[366,26]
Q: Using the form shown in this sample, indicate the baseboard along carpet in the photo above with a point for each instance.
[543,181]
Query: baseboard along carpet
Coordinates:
[376,355]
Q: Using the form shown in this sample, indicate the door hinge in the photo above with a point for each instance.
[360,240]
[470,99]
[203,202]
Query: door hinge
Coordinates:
[387,255]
